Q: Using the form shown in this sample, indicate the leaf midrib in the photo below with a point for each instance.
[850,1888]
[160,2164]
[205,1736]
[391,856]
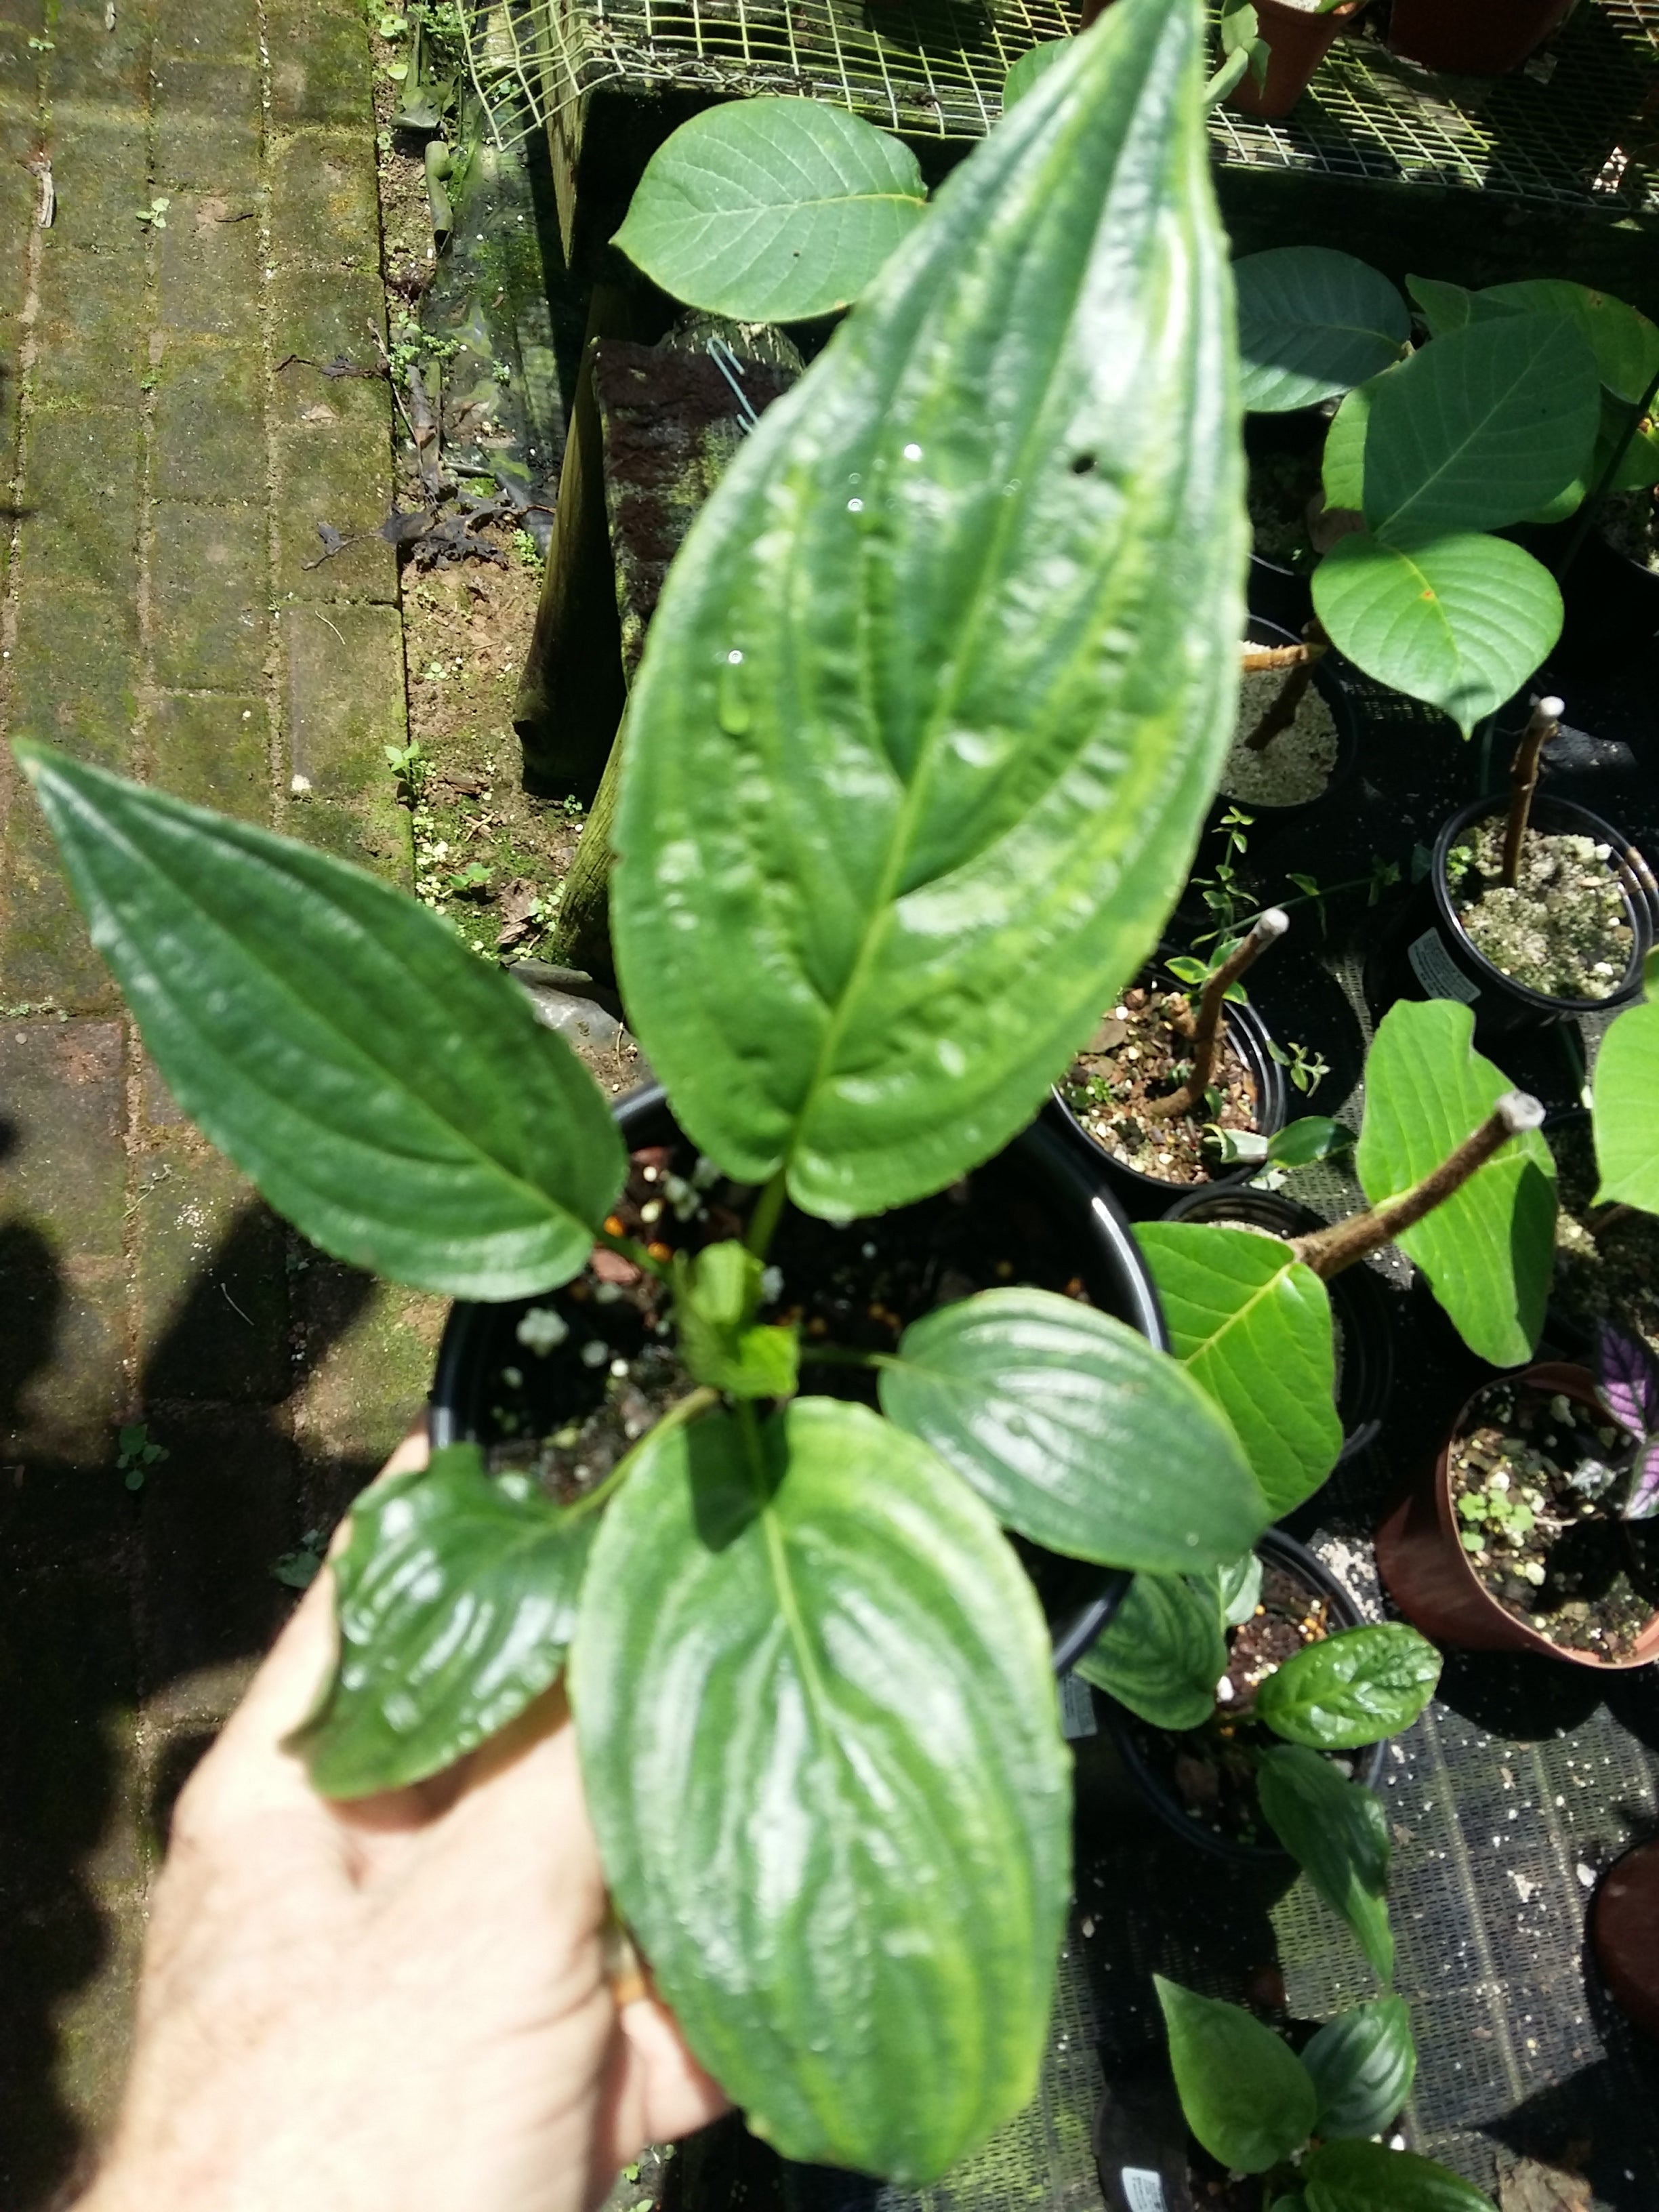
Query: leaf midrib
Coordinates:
[1500,407]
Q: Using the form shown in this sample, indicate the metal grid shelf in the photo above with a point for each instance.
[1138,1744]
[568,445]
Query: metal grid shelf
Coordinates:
[1566,132]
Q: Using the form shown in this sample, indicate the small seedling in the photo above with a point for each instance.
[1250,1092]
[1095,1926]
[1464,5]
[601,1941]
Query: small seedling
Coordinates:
[525,546]
[470,881]
[1307,1067]
[412,769]
[155,214]
[1219,985]
[136,1455]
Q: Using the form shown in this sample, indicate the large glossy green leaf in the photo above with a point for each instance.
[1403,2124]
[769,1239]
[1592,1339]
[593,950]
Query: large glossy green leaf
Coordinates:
[772,209]
[1487,1250]
[1254,1326]
[1352,1688]
[1337,1831]
[1076,1432]
[1246,2095]
[1163,1652]
[938,692]
[1627,1109]
[387,1090]
[1624,343]
[1363,2064]
[1311,323]
[1367,2176]
[820,1744]
[1460,622]
[456,1596]
[1480,428]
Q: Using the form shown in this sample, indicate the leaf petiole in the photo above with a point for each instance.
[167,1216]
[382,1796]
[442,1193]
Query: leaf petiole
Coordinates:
[681,1411]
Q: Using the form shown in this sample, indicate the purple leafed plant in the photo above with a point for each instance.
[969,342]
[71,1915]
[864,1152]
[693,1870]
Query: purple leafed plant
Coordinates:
[1627,1375]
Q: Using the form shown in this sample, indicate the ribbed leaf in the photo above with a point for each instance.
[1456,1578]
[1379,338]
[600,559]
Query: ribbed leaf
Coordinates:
[1487,1250]
[1338,1833]
[772,209]
[1311,323]
[1480,428]
[938,689]
[1363,2064]
[1163,1652]
[1076,1432]
[1253,1325]
[1352,1688]
[456,1596]
[1246,2095]
[391,1094]
[1460,622]
[1366,2177]
[1625,1120]
[819,1739]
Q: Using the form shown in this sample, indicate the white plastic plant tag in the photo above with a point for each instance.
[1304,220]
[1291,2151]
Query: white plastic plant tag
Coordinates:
[1142,2190]
[1436,970]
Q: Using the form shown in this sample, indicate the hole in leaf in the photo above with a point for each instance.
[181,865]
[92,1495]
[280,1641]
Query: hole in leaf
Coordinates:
[1082,465]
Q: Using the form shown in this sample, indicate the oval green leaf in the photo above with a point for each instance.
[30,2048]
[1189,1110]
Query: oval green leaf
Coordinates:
[1366,2177]
[392,1095]
[1480,429]
[455,1596]
[1253,1325]
[1163,1652]
[1338,1833]
[1311,323]
[1314,1137]
[772,209]
[820,1745]
[1625,1120]
[1624,343]
[1076,1432]
[1488,1249]
[939,685]
[1459,623]
[1352,1688]
[1246,2095]
[1363,2065]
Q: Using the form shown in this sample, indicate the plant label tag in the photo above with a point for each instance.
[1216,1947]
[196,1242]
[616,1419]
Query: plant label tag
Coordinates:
[1142,2190]
[1077,1709]
[1437,972]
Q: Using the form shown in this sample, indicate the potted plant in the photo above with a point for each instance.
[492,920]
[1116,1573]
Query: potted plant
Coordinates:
[1283,43]
[926,724]
[1474,38]
[1298,739]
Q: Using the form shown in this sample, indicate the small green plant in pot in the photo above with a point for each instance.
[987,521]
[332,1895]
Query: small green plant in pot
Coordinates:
[927,723]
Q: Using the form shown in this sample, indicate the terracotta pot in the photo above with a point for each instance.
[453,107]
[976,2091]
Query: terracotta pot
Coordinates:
[1474,38]
[1420,1556]
[1298,43]
[1624,1929]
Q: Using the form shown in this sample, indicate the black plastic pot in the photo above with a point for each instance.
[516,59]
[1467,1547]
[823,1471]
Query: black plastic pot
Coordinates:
[1144,1197]
[1361,1305]
[1281,1550]
[1328,682]
[1429,955]
[1078,1599]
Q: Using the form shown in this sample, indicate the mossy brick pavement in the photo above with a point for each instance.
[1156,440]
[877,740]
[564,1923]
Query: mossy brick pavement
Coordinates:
[168,456]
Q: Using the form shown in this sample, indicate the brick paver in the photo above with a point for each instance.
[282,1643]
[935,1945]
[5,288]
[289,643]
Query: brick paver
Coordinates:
[170,464]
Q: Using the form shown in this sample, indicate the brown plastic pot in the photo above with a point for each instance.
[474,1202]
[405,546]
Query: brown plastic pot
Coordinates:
[1624,1929]
[1420,1556]
[1474,38]
[1297,42]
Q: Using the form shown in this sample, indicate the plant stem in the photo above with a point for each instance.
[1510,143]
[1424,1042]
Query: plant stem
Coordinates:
[764,1224]
[1328,1251]
[1206,1037]
[681,1411]
[1542,725]
[1302,898]
[628,1248]
[1299,659]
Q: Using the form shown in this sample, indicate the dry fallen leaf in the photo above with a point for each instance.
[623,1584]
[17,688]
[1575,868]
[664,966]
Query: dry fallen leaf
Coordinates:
[1531,2186]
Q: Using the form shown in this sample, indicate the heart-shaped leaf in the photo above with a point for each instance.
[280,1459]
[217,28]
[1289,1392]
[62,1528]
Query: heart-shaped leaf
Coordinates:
[1076,1432]
[391,1094]
[1460,622]
[1363,2064]
[941,683]
[1338,1833]
[1367,2176]
[1352,1688]
[455,1596]
[1480,428]
[1163,1652]
[1625,1124]
[772,209]
[1254,1327]
[821,1749]
[1246,2095]
[1311,323]
[1486,1250]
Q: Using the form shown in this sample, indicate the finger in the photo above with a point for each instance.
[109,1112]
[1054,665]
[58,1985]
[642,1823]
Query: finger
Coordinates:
[654,2092]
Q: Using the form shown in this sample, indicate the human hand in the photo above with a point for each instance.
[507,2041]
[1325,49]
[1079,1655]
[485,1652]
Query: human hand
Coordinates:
[399,2003]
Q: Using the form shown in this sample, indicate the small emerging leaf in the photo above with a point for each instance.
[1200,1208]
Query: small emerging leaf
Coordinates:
[1338,1832]
[1163,1652]
[716,1296]
[1352,1688]
[1246,2095]
[1363,2064]
[1240,1590]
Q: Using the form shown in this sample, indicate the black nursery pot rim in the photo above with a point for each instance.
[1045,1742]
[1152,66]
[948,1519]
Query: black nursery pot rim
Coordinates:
[1113,1268]
[1561,817]
[1284,1551]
